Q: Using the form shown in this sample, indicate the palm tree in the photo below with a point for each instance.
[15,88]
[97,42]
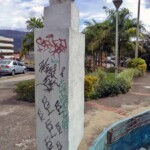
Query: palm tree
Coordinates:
[100,36]
[97,39]
[28,41]
[33,23]
[126,25]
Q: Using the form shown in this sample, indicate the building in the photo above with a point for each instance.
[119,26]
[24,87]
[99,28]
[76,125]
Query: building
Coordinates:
[6,47]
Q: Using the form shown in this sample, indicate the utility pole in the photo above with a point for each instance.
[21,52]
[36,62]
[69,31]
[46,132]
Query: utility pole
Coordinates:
[117,4]
[137,34]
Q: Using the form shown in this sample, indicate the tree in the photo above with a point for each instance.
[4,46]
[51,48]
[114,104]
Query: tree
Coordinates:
[98,39]
[100,36]
[33,23]
[127,30]
[28,41]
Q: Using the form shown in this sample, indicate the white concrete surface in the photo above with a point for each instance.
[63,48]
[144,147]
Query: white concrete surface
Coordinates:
[76,89]
[66,16]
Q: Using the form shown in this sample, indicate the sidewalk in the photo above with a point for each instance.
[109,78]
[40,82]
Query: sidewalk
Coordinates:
[100,113]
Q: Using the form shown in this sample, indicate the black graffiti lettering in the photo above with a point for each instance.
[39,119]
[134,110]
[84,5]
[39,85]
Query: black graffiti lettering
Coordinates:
[49,83]
[49,80]
[58,127]
[47,105]
[45,67]
[50,128]
[59,107]
[49,144]
[59,146]
[40,114]
[62,72]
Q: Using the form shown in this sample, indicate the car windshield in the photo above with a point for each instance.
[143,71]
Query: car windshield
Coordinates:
[4,62]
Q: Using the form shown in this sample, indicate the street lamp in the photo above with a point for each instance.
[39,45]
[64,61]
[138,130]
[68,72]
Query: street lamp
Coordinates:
[117,4]
[137,32]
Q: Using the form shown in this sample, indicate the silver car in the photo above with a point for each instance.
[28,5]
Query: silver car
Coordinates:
[11,67]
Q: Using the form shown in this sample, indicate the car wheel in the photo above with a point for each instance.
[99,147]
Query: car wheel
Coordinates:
[24,71]
[13,73]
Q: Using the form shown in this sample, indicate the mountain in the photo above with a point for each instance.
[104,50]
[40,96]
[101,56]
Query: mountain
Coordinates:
[16,35]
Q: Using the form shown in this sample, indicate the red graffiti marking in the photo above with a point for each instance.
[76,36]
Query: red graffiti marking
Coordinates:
[53,46]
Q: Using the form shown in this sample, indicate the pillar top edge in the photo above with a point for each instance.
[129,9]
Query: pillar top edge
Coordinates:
[53,2]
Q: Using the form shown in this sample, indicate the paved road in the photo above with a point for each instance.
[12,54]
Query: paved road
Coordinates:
[17,119]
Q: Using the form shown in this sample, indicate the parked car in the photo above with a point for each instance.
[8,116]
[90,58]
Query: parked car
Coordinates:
[123,60]
[108,64]
[11,66]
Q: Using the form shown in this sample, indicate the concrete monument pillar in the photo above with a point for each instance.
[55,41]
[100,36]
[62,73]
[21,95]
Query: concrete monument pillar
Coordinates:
[59,69]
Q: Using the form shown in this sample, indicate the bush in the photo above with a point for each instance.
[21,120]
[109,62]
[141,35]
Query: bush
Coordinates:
[112,70]
[99,74]
[130,73]
[137,63]
[89,85]
[110,86]
[26,91]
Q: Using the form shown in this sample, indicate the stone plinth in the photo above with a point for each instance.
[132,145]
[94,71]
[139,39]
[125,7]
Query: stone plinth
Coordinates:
[66,15]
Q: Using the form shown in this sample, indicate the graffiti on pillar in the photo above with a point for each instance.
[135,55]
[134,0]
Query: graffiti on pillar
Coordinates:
[52,111]
[49,80]
[64,100]
[54,46]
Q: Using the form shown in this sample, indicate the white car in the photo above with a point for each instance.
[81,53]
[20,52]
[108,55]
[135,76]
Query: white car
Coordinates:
[11,67]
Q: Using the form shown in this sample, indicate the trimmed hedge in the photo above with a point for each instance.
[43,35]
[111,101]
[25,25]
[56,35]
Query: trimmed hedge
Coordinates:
[26,90]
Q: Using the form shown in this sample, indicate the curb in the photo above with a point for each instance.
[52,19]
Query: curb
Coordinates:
[115,110]
[17,75]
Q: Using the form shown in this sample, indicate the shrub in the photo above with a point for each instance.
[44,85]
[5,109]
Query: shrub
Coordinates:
[99,73]
[26,90]
[112,70]
[89,85]
[130,73]
[137,63]
[88,65]
[110,86]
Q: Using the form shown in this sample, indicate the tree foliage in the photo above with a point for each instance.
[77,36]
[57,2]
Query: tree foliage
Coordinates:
[146,54]
[28,41]
[100,37]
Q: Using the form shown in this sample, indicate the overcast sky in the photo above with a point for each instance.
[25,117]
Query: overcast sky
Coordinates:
[14,13]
